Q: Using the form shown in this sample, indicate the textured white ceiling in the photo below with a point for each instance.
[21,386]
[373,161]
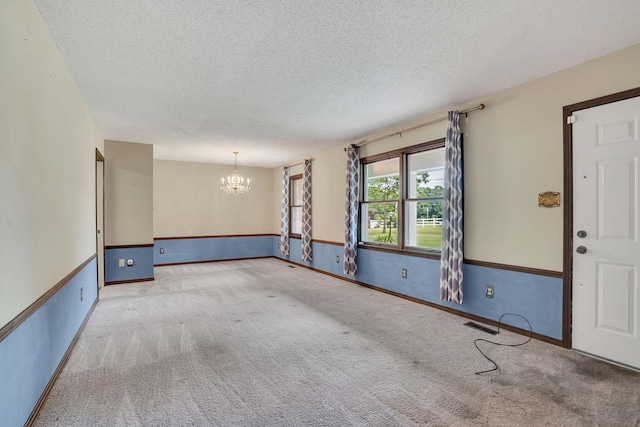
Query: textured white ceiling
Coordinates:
[281,80]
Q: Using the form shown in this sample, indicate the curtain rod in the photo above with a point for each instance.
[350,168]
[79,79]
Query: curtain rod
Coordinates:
[421,125]
[299,163]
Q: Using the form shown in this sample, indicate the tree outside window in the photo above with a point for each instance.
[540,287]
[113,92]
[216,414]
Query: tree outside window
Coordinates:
[380,209]
[403,198]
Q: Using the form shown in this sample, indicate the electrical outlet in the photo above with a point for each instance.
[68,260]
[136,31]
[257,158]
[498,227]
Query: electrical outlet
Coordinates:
[121,263]
[337,260]
[81,293]
[161,250]
[488,291]
[404,273]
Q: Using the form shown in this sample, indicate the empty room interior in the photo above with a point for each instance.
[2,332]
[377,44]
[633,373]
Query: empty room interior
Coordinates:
[319,213]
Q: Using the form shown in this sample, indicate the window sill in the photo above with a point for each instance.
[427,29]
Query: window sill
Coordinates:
[417,252]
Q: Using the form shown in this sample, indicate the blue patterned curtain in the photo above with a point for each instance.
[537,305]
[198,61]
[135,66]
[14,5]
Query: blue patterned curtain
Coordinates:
[306,211]
[452,225]
[284,214]
[350,265]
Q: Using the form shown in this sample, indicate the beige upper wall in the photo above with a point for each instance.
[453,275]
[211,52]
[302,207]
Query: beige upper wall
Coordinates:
[47,163]
[128,193]
[513,150]
[188,201]
[328,176]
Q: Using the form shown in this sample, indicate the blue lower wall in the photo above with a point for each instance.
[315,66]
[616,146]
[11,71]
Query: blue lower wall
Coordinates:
[142,267]
[211,249]
[31,353]
[536,297]
[324,255]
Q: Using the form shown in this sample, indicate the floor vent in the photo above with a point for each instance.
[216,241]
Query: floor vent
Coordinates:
[479,327]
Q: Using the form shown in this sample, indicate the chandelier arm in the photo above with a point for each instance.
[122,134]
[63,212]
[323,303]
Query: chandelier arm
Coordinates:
[235,183]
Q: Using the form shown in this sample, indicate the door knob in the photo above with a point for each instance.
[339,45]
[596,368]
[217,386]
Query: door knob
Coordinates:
[582,234]
[581,250]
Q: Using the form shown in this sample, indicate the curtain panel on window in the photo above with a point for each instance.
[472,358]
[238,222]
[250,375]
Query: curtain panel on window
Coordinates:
[452,242]
[350,265]
[284,214]
[306,211]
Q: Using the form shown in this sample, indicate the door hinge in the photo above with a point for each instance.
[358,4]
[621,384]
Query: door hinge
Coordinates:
[571,119]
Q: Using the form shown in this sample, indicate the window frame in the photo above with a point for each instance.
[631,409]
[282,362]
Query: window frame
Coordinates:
[374,159]
[291,205]
[401,155]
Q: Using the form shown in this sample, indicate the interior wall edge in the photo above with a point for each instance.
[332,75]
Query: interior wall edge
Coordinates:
[33,352]
[121,282]
[518,268]
[212,260]
[521,269]
[209,249]
[117,267]
[517,290]
[143,245]
[464,314]
[460,313]
[215,236]
[14,323]
[34,414]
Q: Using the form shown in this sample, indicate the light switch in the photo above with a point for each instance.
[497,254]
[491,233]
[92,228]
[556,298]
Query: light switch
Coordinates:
[121,262]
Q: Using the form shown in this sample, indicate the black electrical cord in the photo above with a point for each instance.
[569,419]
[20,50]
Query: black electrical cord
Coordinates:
[495,365]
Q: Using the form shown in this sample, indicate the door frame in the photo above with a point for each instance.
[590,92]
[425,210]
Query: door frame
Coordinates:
[567,131]
[99,158]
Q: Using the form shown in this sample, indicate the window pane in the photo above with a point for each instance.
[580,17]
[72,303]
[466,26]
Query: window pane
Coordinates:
[380,223]
[426,174]
[296,192]
[381,180]
[423,224]
[296,220]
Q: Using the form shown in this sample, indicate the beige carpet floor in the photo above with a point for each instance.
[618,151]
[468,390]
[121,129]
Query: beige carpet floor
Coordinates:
[258,343]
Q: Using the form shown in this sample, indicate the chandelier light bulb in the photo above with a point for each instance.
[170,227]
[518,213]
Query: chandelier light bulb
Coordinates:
[235,182]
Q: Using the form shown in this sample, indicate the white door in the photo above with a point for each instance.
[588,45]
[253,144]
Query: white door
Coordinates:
[606,297]
[100,220]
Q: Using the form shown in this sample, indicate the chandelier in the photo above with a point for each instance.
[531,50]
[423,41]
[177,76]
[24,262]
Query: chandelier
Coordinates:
[235,183]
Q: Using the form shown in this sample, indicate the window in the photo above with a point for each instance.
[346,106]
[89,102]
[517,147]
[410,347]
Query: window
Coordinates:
[295,204]
[379,210]
[402,199]
[424,201]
